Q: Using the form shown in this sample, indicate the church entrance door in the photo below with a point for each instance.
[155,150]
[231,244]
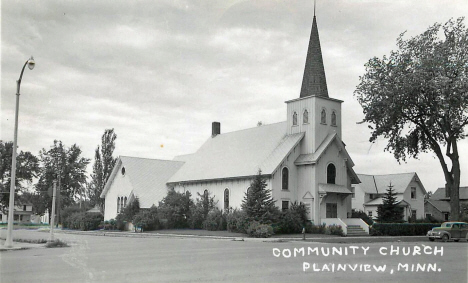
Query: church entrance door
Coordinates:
[332,210]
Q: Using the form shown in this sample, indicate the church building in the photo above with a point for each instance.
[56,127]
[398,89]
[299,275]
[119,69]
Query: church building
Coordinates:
[302,159]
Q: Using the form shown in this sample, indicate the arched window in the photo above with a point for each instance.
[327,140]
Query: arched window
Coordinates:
[118,205]
[333,118]
[295,119]
[323,117]
[125,202]
[226,199]
[305,117]
[331,174]
[285,179]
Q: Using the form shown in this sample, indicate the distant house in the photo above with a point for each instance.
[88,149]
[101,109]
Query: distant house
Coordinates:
[438,205]
[23,213]
[409,190]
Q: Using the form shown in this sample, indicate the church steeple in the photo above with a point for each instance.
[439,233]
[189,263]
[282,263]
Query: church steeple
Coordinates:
[314,82]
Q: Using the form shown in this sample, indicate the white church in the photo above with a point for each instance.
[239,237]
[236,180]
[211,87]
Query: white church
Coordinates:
[303,159]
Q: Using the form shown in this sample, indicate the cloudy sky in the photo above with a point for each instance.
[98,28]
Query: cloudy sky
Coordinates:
[159,72]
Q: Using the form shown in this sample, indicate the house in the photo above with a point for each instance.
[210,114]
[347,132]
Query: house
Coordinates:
[407,187]
[438,205]
[22,212]
[303,159]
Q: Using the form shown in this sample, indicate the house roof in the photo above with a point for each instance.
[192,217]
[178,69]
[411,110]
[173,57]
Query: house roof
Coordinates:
[440,194]
[239,154]
[379,183]
[367,184]
[441,205]
[147,176]
[379,201]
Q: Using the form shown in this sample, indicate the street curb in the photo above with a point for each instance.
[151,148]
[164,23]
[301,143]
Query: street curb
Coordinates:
[237,238]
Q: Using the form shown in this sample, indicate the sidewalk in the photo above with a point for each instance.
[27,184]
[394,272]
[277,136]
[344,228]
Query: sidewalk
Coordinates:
[225,235]
[19,246]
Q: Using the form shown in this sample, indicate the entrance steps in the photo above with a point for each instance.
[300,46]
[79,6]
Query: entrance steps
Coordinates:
[356,230]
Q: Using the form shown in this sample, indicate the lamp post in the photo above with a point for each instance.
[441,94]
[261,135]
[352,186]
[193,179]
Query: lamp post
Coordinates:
[9,238]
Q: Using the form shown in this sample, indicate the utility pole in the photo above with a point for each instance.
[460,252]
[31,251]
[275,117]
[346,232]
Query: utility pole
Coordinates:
[59,196]
[52,217]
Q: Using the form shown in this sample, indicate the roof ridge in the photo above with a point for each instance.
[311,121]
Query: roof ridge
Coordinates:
[386,174]
[155,159]
[281,142]
[257,127]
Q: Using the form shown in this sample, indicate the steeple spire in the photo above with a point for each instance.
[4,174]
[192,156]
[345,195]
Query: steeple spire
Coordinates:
[314,82]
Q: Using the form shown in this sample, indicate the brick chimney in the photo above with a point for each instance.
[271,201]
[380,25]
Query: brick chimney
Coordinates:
[215,129]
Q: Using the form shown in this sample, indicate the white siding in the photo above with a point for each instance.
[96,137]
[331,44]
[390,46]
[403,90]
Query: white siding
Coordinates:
[237,189]
[418,203]
[120,187]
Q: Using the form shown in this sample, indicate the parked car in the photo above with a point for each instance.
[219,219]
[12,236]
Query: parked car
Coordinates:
[449,231]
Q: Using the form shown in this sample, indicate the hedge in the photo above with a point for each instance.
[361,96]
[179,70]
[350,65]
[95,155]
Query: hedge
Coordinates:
[401,229]
[83,221]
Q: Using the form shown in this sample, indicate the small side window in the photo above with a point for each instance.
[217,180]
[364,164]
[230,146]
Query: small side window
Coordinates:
[295,119]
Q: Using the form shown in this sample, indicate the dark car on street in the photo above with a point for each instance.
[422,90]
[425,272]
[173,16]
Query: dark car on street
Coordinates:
[449,231]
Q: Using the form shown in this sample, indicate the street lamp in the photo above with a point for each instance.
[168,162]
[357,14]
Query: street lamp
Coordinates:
[9,238]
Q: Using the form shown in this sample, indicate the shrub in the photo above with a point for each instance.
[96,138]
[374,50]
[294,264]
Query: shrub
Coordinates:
[292,220]
[257,230]
[361,214]
[120,222]
[147,219]
[109,225]
[175,208]
[334,230]
[199,211]
[127,214]
[132,209]
[315,229]
[84,221]
[237,221]
[401,229]
[67,212]
[56,244]
[215,221]
[197,219]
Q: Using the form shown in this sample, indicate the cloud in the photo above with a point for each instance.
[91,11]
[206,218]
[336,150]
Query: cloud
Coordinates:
[159,72]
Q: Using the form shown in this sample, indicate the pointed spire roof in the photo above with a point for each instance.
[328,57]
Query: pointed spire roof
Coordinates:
[314,82]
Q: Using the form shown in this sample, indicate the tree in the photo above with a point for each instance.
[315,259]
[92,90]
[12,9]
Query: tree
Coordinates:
[428,195]
[27,168]
[258,203]
[417,98]
[199,211]
[103,165]
[67,167]
[389,211]
[176,209]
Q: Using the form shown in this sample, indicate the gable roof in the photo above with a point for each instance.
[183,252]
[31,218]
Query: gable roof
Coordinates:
[440,205]
[379,183]
[313,158]
[439,194]
[379,201]
[147,176]
[239,154]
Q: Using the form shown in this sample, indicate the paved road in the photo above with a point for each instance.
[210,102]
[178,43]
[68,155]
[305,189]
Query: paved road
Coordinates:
[117,259]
